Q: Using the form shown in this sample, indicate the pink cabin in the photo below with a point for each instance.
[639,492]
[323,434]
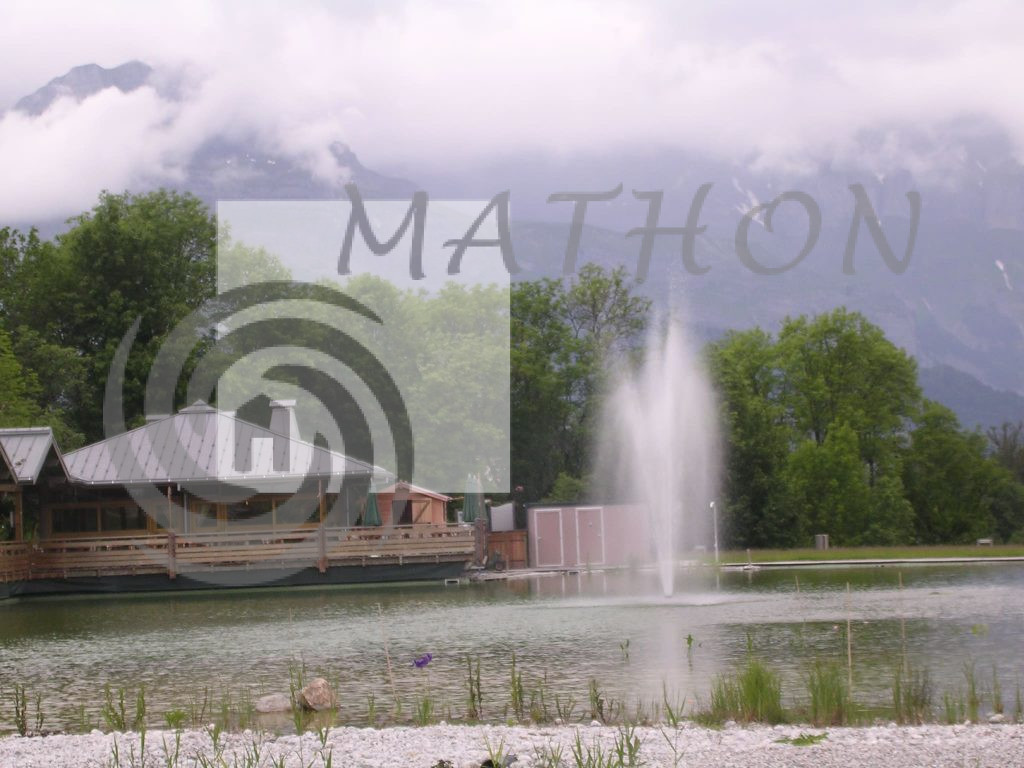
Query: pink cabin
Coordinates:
[588,535]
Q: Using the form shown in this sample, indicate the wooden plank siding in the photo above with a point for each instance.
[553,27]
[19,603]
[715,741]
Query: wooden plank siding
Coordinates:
[176,553]
[14,561]
[510,546]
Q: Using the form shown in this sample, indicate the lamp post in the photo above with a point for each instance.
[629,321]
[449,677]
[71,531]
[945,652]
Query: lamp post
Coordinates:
[714,519]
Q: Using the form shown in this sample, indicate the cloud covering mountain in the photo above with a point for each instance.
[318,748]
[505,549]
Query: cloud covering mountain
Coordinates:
[418,87]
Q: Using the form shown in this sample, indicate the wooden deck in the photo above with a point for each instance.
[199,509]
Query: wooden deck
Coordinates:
[173,554]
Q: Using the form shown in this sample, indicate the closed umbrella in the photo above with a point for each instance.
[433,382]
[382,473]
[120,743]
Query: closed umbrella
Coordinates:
[473,504]
[372,514]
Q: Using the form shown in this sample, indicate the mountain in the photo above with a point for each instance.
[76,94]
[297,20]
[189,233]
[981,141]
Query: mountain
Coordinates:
[84,81]
[220,168]
[958,307]
[977,406]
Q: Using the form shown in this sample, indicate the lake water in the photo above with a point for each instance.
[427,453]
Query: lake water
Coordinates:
[571,628]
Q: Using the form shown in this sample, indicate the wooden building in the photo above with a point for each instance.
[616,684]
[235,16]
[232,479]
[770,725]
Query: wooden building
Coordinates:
[406,504]
[190,497]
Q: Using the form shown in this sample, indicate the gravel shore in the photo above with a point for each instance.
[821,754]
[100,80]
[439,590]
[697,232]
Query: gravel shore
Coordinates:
[981,746]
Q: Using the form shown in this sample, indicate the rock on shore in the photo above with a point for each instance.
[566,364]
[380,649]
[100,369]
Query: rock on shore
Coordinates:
[985,746]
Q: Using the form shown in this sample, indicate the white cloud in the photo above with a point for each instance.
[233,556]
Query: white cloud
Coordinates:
[451,83]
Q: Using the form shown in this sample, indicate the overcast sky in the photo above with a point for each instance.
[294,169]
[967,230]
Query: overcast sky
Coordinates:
[414,85]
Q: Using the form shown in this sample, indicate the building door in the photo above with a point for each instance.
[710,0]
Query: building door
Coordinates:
[547,537]
[590,535]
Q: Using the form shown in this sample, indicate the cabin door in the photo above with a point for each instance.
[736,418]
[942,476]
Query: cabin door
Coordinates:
[548,537]
[590,536]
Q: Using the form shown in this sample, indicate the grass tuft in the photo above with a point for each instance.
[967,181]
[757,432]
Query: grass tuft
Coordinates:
[751,695]
[803,740]
[911,695]
[829,695]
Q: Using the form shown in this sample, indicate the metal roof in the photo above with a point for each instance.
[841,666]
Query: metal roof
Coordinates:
[200,443]
[26,450]
[403,487]
[6,470]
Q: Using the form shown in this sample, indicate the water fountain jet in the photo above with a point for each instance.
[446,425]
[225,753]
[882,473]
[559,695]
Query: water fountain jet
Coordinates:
[661,431]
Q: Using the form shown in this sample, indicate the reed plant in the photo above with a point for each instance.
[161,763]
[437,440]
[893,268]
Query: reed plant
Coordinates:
[673,744]
[175,718]
[246,711]
[83,722]
[424,714]
[538,707]
[627,747]
[753,694]
[625,753]
[515,690]
[113,710]
[673,709]
[475,705]
[139,720]
[953,708]
[997,693]
[198,707]
[371,710]
[20,709]
[911,695]
[973,699]
[828,695]
[496,752]
[565,708]
[548,756]
[597,701]
[172,756]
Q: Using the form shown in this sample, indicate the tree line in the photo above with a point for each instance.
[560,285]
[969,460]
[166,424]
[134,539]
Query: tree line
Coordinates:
[825,427]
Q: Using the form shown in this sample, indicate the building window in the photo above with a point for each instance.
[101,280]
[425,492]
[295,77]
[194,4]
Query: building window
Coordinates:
[296,510]
[204,515]
[254,511]
[122,518]
[75,520]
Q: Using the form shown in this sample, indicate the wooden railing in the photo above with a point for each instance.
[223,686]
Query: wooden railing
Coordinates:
[174,553]
[13,561]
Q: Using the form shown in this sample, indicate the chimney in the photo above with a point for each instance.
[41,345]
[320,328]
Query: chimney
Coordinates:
[285,429]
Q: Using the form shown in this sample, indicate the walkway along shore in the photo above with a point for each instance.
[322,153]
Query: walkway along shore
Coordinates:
[887,746]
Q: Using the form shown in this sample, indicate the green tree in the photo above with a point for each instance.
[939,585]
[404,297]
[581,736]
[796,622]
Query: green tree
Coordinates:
[743,367]
[540,358]
[890,516]
[1007,442]
[607,323]
[826,486]
[840,369]
[567,489]
[17,404]
[148,256]
[563,340]
[948,479]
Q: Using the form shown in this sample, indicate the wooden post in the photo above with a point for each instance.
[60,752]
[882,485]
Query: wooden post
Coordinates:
[19,522]
[322,541]
[479,541]
[322,500]
[849,645]
[903,626]
[322,533]
[172,555]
